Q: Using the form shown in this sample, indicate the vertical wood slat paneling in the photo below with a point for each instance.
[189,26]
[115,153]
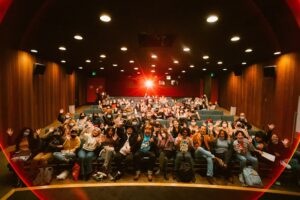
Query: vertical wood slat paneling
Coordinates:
[264,99]
[31,100]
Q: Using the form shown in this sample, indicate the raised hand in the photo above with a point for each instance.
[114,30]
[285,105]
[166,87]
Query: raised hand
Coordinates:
[61,111]
[38,131]
[10,132]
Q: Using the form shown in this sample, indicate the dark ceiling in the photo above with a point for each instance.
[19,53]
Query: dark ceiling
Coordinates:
[264,26]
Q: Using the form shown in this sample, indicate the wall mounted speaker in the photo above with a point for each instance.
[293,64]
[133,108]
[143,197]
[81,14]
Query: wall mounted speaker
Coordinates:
[269,71]
[39,68]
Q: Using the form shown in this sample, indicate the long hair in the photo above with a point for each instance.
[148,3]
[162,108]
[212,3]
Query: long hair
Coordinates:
[21,135]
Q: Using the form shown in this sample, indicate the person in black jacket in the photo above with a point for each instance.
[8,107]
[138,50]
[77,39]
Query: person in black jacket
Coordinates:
[146,151]
[126,145]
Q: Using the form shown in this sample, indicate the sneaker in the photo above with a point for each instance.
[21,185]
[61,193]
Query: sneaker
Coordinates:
[117,176]
[137,176]
[63,175]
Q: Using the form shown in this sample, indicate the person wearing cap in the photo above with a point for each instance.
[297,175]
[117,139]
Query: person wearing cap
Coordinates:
[147,144]
[70,145]
[127,144]
[91,140]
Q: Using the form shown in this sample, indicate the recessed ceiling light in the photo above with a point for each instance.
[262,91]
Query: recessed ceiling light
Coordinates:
[122,70]
[80,67]
[123,48]
[62,48]
[170,69]
[186,49]
[225,69]
[192,66]
[212,18]
[152,70]
[63,61]
[115,65]
[244,63]
[166,73]
[205,57]
[105,18]
[153,56]
[135,68]
[101,68]
[88,61]
[153,65]
[33,50]
[220,63]
[248,50]
[183,71]
[78,37]
[175,61]
[131,61]
[102,56]
[204,69]
[277,53]
[138,72]
[235,38]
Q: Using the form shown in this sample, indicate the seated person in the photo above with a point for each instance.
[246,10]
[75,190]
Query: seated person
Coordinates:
[70,145]
[243,148]
[278,149]
[165,145]
[147,145]
[193,126]
[183,145]
[202,149]
[242,119]
[52,142]
[90,138]
[127,144]
[223,149]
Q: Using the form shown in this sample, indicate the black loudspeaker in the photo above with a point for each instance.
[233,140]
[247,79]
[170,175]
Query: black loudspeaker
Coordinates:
[69,70]
[238,72]
[269,71]
[39,68]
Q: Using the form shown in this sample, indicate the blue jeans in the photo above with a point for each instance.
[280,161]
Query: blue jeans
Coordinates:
[243,160]
[64,156]
[201,152]
[85,160]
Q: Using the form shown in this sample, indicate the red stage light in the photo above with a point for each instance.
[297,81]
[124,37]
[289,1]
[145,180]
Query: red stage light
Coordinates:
[149,84]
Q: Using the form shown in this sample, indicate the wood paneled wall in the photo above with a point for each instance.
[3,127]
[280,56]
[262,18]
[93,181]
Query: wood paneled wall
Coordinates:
[31,100]
[265,99]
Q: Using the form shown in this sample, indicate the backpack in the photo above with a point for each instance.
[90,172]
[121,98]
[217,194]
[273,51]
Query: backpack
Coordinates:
[185,171]
[250,177]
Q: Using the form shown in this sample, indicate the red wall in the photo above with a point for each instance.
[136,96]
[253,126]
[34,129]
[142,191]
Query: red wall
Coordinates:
[92,85]
[134,86]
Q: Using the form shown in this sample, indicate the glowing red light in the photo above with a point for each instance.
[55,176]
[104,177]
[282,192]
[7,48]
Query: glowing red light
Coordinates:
[149,83]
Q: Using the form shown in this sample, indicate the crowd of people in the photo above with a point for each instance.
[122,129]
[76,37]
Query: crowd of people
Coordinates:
[127,129]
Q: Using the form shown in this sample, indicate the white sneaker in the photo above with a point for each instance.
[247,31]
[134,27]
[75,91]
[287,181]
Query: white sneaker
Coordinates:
[63,175]
[286,165]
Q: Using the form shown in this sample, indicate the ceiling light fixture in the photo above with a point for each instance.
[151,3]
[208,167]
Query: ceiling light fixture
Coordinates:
[248,50]
[170,69]
[183,71]
[80,67]
[192,66]
[131,61]
[244,63]
[123,48]
[220,63]
[122,70]
[153,65]
[78,37]
[186,49]
[105,18]
[101,68]
[62,48]
[176,62]
[277,53]
[205,57]
[212,19]
[33,50]
[135,68]
[225,69]
[63,61]
[235,38]
[204,69]
[115,65]
[102,56]
[88,61]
